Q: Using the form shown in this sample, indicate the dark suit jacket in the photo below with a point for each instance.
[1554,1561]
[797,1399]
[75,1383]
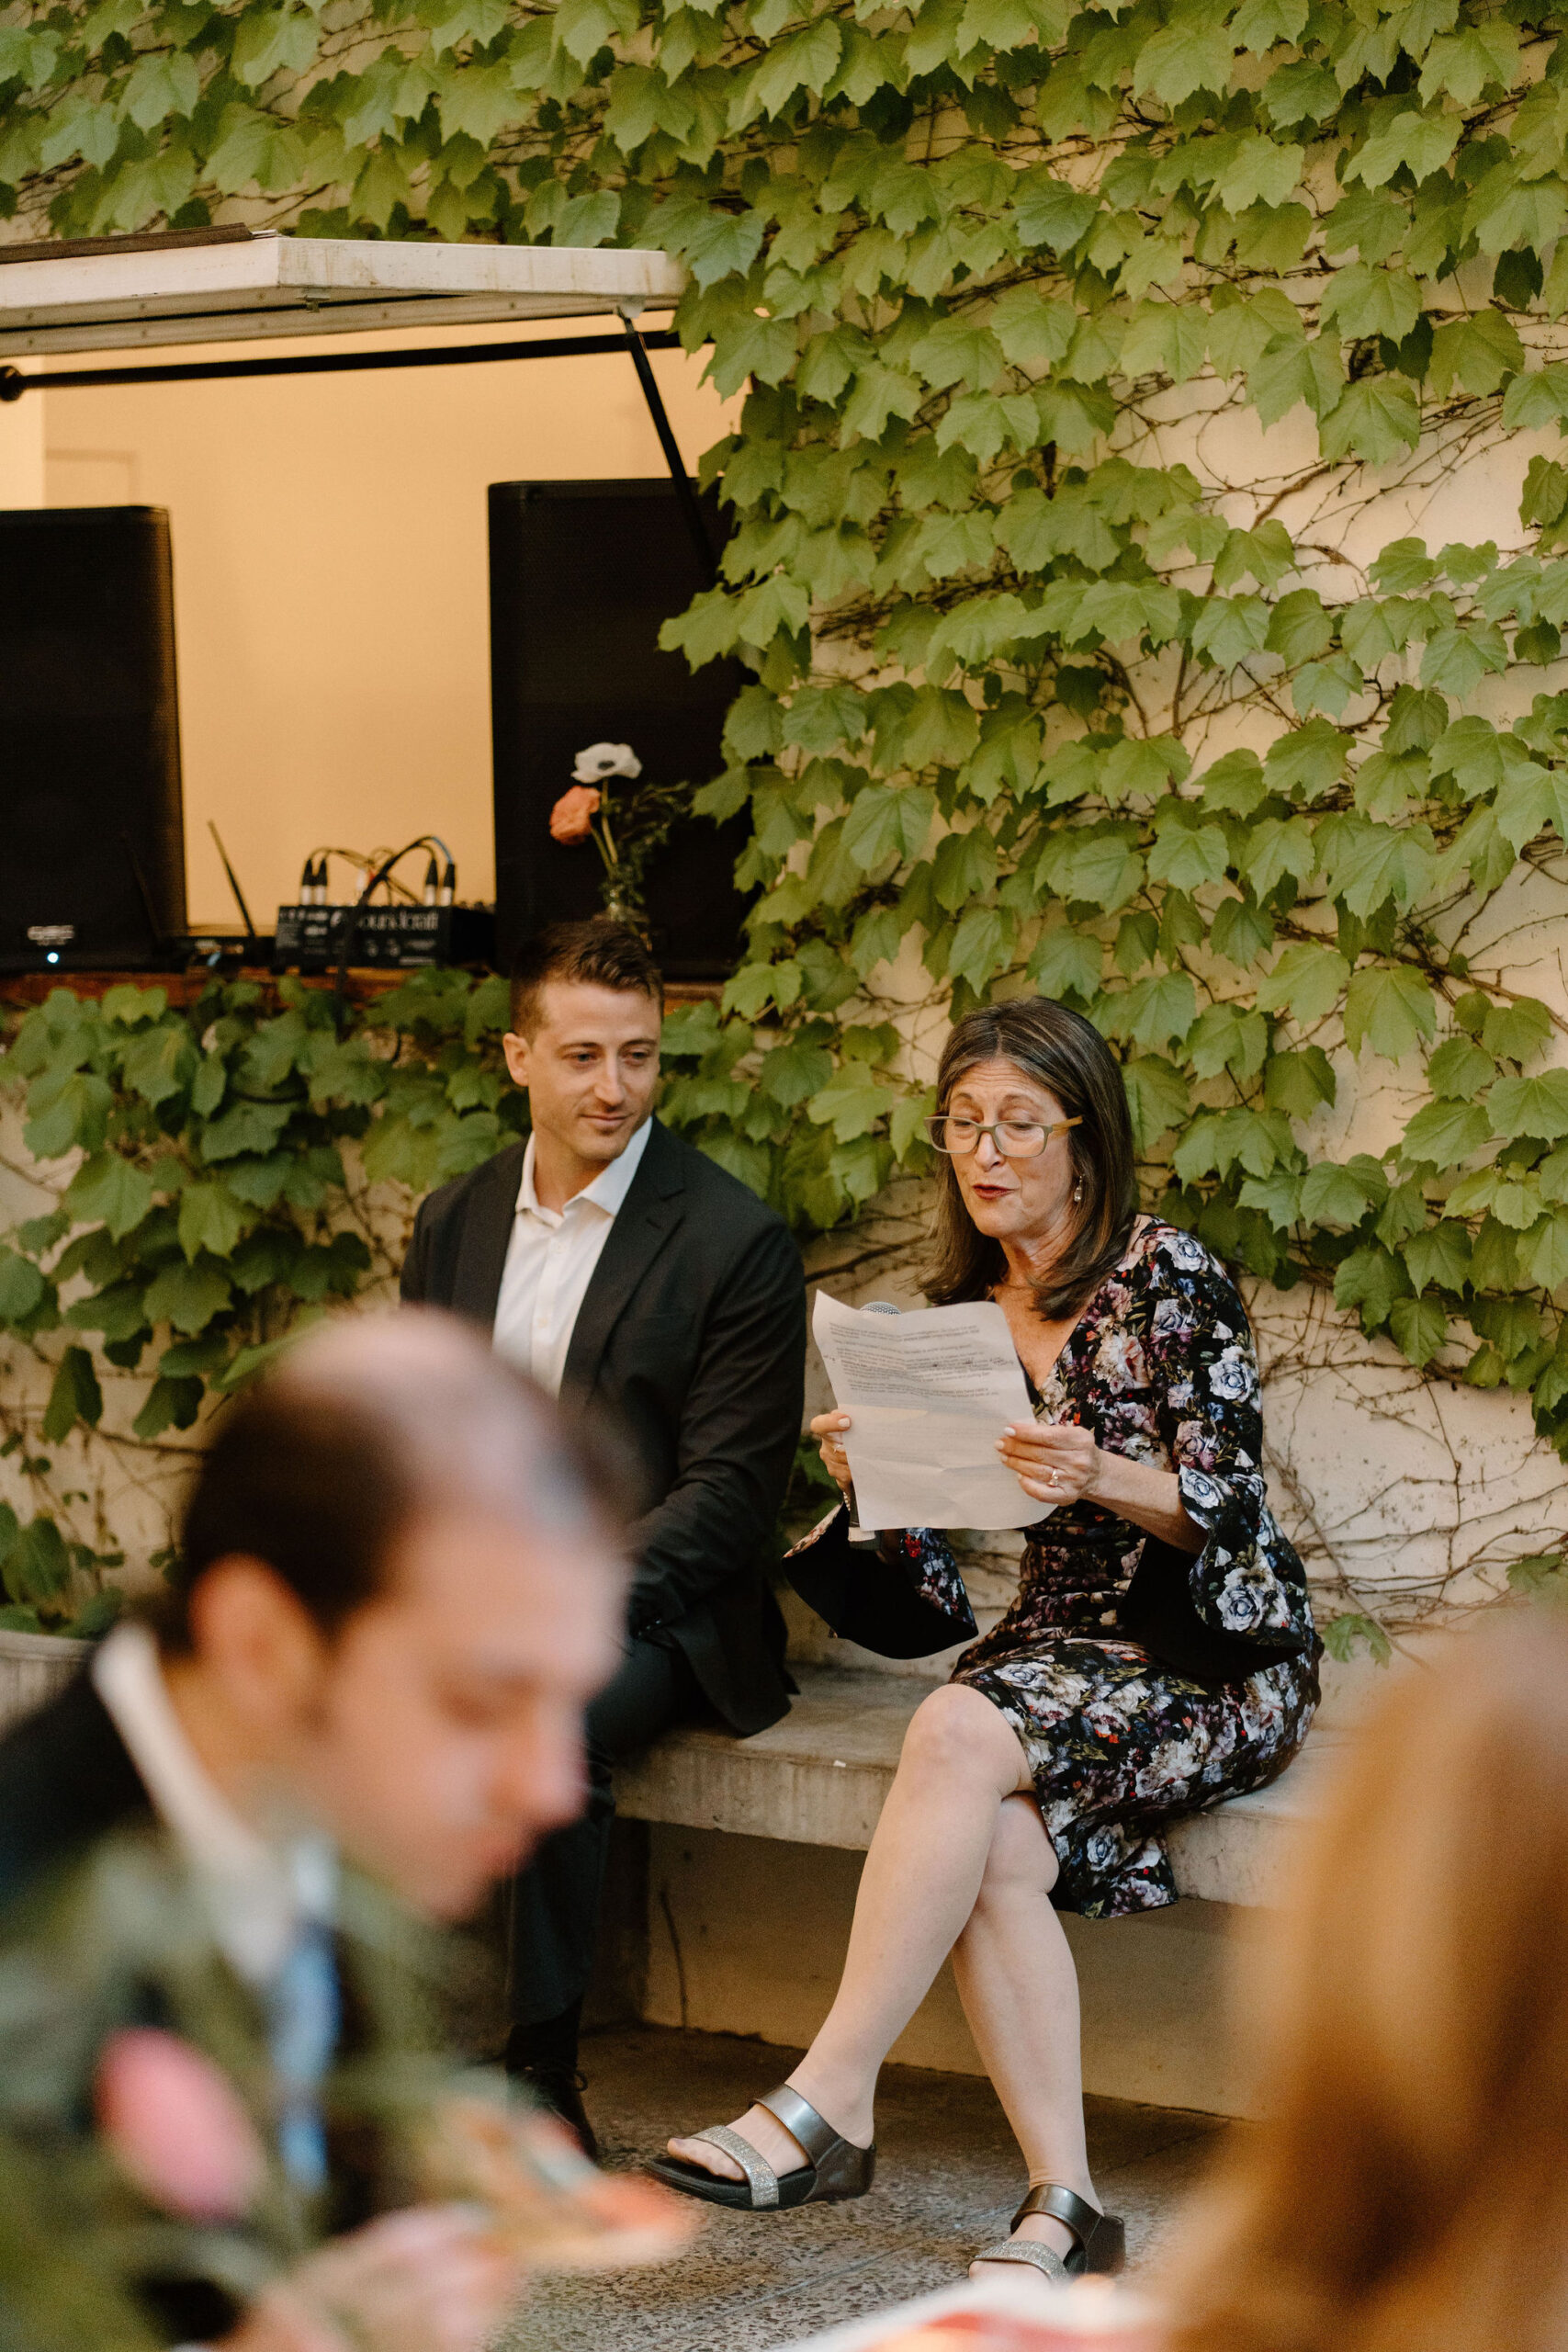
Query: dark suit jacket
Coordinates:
[66,1780]
[70,1799]
[691,1338]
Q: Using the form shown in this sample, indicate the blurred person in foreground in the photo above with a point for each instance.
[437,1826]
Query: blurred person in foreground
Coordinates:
[1408,2190]
[366,1692]
[632,1276]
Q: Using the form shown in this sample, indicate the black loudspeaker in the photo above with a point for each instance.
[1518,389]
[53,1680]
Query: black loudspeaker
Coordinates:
[91,856]
[582,575]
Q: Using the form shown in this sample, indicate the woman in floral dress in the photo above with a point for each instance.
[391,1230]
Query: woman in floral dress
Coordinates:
[1160,1655]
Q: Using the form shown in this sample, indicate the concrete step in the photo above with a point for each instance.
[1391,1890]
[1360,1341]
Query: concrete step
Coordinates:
[820,1777]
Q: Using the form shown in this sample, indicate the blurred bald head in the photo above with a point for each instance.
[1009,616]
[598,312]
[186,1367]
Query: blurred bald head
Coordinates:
[365,1424]
[400,1582]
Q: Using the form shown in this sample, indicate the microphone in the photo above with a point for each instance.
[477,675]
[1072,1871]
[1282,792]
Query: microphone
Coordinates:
[868,1534]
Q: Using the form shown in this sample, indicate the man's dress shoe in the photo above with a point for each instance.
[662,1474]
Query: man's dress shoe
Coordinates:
[561,2092]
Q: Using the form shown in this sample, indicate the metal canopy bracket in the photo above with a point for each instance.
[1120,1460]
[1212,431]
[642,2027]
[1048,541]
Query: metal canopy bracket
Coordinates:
[686,496]
[13,383]
[218,287]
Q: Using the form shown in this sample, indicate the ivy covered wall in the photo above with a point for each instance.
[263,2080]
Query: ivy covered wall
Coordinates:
[1148,555]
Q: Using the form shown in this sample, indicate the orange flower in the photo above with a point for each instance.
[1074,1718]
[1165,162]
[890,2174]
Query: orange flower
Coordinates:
[573,814]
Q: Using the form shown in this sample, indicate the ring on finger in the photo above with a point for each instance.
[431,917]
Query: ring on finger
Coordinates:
[1053,1477]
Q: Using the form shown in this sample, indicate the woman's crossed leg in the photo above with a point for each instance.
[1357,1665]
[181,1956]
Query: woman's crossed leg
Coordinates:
[954,1862]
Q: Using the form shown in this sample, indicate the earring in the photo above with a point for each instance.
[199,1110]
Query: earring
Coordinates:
[1077,1191]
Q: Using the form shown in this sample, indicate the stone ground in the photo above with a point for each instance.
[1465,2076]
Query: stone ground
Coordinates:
[949,2177]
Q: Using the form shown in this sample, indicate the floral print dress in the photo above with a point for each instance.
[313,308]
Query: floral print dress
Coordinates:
[1161,1367]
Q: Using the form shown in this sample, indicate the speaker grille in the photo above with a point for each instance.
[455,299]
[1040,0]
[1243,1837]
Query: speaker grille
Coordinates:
[91,865]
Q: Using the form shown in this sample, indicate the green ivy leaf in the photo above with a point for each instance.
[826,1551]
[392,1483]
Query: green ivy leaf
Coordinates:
[1422,143]
[188,1297]
[1192,54]
[1514,1031]
[1440,1255]
[1332,1195]
[272,41]
[74,1396]
[1307,982]
[170,1404]
[1066,963]
[1158,1098]
[37,1565]
[22,1287]
[211,1218]
[1475,353]
[1372,1279]
[244,1128]
[1420,1328]
[887,821]
[1543,1251]
[1391,1011]
[109,1190]
[1530,1106]
[71,1111]
[1378,419]
[1443,1134]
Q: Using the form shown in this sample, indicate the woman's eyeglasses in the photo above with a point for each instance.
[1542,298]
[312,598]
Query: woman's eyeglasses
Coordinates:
[1014,1138]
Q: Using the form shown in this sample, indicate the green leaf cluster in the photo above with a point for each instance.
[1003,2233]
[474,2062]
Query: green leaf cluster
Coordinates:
[1032,704]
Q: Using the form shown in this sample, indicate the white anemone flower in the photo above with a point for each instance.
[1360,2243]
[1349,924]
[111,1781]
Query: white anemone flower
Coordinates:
[600,761]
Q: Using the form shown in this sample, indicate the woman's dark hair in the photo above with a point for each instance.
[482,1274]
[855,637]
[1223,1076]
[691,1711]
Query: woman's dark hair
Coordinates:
[1063,1052]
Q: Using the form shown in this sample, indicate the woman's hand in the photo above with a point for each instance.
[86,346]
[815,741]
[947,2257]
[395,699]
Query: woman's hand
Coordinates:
[1056,1461]
[829,1428]
[1053,1462]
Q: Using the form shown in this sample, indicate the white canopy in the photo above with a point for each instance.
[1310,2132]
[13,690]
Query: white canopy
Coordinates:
[163,291]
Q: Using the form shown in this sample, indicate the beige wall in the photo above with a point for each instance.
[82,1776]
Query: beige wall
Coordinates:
[330,575]
[21,451]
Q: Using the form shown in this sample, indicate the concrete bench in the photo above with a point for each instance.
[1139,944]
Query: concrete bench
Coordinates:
[819,1778]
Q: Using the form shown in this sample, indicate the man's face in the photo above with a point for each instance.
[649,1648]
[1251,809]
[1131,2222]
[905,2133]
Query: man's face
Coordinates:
[443,1735]
[591,1067]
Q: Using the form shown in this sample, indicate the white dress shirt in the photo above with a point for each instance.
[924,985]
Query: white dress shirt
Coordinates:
[550,1261]
[258,1893]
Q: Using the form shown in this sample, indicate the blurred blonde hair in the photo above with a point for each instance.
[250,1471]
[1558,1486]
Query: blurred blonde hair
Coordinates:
[1408,2191]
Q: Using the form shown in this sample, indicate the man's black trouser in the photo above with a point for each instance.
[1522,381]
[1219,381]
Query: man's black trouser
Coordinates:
[555,1902]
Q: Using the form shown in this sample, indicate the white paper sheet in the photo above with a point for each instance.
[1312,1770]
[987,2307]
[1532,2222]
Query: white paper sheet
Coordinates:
[928,1395]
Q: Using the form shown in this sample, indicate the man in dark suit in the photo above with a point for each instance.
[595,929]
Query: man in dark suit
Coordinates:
[398,1592]
[634,1277]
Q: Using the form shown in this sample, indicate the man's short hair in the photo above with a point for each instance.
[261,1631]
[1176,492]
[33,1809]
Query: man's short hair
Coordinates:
[602,954]
[317,1470]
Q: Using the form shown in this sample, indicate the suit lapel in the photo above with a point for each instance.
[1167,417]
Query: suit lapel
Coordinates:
[651,1211]
[486,1233]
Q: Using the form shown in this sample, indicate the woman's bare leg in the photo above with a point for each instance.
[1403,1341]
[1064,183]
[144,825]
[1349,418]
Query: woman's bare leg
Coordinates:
[961,1759]
[1019,1992]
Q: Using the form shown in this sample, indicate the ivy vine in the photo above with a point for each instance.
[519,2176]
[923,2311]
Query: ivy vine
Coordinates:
[1100,363]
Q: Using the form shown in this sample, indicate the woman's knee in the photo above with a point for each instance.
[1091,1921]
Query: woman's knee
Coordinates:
[956,1733]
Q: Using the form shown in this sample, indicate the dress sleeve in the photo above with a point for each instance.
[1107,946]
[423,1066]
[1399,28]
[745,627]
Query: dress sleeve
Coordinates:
[901,1597]
[1246,1582]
